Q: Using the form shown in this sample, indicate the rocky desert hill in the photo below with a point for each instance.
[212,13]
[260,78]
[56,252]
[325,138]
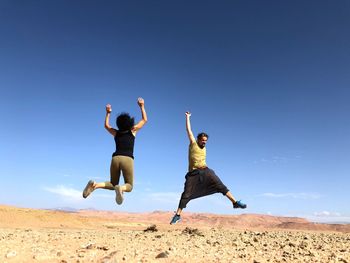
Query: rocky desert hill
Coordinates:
[32,235]
[26,217]
[243,221]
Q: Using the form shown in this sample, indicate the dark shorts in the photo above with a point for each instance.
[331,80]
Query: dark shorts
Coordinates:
[201,182]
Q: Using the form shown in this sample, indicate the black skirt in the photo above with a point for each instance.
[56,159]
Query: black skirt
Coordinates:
[201,182]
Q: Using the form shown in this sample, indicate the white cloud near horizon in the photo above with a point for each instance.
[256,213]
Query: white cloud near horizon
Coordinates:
[293,195]
[65,192]
[321,217]
[327,214]
[71,194]
[329,217]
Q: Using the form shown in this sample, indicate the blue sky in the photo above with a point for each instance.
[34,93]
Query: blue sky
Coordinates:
[267,80]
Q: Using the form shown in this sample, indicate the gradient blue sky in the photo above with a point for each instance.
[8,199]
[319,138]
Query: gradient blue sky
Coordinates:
[267,80]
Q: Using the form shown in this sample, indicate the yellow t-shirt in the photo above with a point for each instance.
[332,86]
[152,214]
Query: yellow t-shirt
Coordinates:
[196,157]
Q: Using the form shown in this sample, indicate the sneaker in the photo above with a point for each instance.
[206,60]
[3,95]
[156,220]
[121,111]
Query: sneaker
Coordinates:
[88,189]
[119,194]
[176,219]
[239,204]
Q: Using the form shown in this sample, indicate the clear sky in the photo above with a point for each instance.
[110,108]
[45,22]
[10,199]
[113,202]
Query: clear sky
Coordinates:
[267,80]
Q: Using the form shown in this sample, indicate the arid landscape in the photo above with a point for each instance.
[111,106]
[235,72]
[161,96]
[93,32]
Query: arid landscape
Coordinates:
[29,235]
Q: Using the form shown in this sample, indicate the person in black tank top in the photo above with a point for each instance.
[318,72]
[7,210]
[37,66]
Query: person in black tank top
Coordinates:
[124,142]
[123,157]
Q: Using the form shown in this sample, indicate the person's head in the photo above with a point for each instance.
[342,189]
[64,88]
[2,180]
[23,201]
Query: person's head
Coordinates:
[202,139]
[125,122]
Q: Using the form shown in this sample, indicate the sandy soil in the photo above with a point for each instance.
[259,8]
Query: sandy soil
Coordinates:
[28,235]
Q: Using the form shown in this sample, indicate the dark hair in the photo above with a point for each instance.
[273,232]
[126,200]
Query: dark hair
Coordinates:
[125,122]
[202,134]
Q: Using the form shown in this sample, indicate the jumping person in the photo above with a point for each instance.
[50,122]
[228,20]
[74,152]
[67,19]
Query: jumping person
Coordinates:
[123,157]
[200,180]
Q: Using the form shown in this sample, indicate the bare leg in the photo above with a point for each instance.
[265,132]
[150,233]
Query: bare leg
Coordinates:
[103,185]
[230,196]
[91,186]
[178,212]
[176,218]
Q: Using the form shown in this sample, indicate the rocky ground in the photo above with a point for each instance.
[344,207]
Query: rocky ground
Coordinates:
[100,240]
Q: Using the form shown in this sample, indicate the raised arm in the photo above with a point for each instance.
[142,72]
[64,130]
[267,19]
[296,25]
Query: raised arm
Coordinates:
[139,125]
[188,128]
[107,126]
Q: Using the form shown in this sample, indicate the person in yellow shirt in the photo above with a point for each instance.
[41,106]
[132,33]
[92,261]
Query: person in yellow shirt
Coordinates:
[200,180]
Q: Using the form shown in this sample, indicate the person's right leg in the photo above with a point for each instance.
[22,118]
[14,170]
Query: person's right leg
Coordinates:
[126,165]
[186,196]
[115,177]
[92,186]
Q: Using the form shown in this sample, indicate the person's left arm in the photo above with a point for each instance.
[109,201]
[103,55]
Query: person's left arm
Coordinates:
[142,122]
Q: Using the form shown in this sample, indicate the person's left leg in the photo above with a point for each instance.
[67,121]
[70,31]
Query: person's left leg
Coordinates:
[127,167]
[109,185]
[230,197]
[218,186]
[104,185]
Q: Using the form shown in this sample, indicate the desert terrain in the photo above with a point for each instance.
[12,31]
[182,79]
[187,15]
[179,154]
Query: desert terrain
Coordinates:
[30,235]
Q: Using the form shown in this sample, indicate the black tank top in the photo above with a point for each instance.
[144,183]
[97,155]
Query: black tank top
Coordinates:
[124,143]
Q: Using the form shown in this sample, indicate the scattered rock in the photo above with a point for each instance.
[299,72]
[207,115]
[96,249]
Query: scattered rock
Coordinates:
[163,254]
[11,254]
[107,258]
[105,248]
[152,228]
[42,257]
[192,232]
[89,246]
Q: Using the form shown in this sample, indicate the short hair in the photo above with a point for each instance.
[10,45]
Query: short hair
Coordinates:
[202,134]
[125,122]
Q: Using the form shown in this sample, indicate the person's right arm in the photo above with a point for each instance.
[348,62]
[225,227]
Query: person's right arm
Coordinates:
[188,128]
[107,126]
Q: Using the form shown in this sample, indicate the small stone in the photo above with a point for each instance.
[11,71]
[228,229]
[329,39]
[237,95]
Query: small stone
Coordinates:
[89,246]
[42,257]
[105,248]
[162,255]
[11,254]
[152,228]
